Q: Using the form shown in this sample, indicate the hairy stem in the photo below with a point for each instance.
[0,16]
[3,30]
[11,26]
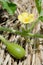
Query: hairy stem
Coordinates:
[33,25]
[4,40]
[21,33]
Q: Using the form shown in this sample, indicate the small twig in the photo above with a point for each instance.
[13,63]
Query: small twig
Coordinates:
[33,59]
[6,60]
[1,57]
[9,63]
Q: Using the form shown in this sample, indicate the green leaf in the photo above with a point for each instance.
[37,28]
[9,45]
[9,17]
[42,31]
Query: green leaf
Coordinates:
[41,16]
[38,5]
[12,6]
[41,13]
[9,6]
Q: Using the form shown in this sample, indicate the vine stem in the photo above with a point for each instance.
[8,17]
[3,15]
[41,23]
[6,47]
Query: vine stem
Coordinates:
[35,35]
[20,33]
[4,40]
[33,24]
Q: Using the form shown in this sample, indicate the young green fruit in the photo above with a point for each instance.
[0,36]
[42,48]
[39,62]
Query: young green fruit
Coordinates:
[14,49]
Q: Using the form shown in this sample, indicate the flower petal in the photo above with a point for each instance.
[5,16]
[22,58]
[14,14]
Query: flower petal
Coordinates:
[26,18]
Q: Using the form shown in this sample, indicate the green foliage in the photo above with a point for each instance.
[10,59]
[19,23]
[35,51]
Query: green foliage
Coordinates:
[41,16]
[39,8]
[9,6]
[38,5]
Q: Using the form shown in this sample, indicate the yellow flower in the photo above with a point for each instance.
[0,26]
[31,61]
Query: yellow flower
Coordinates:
[26,18]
